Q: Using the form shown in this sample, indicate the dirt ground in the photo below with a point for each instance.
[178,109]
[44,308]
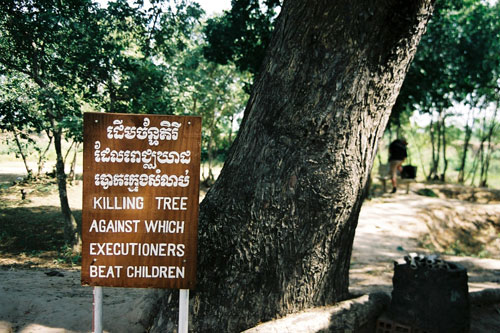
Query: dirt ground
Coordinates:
[390,226]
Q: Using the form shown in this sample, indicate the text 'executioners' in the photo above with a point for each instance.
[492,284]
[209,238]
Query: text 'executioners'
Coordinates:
[137,203]
[137,249]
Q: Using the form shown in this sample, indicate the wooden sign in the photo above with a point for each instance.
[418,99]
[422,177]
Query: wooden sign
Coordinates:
[140,200]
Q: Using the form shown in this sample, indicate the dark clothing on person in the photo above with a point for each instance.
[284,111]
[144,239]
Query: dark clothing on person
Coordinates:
[397,150]
[397,154]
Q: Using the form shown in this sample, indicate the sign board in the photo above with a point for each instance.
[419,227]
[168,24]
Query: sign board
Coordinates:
[140,200]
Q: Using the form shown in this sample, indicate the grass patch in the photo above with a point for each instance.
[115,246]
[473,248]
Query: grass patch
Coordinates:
[46,187]
[426,192]
[67,256]
[462,247]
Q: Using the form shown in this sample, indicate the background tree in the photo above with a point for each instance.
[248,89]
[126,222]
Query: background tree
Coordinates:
[486,135]
[154,64]
[20,116]
[427,85]
[455,64]
[213,91]
[78,55]
[242,34]
[55,45]
[141,43]
[277,227]
[479,47]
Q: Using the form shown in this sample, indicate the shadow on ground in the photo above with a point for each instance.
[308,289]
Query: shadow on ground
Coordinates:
[32,229]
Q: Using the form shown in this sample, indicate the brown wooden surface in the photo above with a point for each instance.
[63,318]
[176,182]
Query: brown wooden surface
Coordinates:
[189,139]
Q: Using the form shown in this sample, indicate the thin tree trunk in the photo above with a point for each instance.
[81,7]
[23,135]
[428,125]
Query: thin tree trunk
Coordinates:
[195,106]
[435,155]
[210,178]
[487,162]
[41,158]
[489,149]
[484,172]
[482,159]
[71,174]
[420,155]
[276,229]
[71,233]
[210,148]
[65,159]
[442,117]
[473,171]
[22,153]
[111,89]
[465,148]
[230,137]
[438,148]
[482,149]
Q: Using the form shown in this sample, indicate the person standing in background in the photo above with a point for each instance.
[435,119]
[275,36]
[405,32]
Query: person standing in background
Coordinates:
[397,155]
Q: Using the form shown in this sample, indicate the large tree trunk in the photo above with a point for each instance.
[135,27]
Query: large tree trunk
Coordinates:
[276,229]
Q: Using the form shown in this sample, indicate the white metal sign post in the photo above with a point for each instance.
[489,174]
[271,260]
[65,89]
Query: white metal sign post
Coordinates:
[183,310]
[97,315]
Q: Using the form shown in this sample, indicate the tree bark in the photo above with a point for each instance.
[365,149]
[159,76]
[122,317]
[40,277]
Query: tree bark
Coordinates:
[276,229]
[442,117]
[71,234]
[435,152]
[41,157]
[22,153]
[485,165]
[72,171]
[468,135]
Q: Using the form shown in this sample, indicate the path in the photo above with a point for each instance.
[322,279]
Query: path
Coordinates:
[389,227]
